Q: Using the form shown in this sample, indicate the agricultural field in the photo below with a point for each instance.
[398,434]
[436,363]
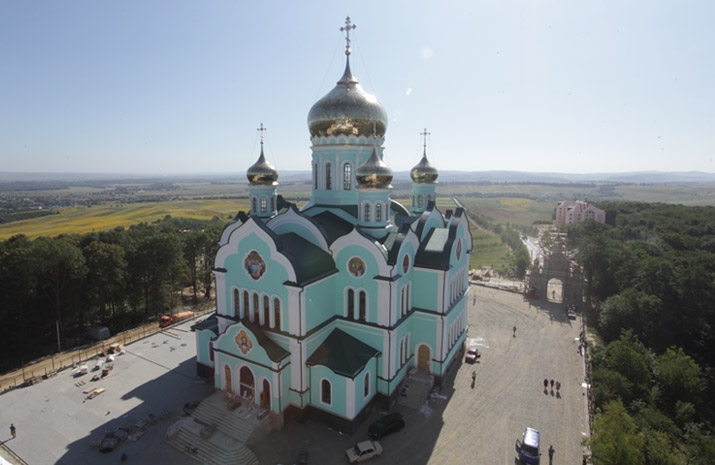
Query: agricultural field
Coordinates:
[101,205]
[86,219]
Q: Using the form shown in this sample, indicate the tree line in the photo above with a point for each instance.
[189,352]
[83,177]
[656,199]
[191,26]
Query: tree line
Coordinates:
[651,284]
[52,289]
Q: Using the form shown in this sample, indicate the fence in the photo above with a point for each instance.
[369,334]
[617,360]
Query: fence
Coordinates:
[47,367]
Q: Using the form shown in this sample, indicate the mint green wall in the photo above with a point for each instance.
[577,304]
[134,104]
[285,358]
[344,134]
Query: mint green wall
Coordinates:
[364,282]
[270,282]
[227,343]
[203,338]
[424,330]
[359,400]
[317,374]
[424,289]
[320,301]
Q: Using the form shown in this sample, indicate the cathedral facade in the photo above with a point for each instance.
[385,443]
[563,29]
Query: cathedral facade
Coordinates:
[325,309]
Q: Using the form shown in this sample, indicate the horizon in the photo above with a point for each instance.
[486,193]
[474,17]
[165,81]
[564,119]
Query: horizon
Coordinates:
[175,88]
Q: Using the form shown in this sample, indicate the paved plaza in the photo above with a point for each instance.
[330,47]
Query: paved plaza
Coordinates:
[459,424]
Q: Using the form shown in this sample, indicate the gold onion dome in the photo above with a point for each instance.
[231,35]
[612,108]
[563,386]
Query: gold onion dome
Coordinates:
[374,172]
[262,173]
[423,172]
[347,110]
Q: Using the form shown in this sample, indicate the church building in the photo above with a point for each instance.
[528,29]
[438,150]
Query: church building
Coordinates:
[326,309]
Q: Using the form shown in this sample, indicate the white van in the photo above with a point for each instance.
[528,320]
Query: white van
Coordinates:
[528,447]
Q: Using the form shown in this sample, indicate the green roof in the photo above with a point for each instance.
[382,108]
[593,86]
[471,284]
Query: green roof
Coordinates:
[343,354]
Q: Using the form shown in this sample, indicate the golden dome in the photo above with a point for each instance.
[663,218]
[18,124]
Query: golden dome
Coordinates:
[347,110]
[262,173]
[374,172]
[423,172]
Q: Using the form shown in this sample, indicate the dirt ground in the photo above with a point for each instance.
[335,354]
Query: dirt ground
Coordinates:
[465,424]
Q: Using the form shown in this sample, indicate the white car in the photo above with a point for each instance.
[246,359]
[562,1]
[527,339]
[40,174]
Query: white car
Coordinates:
[363,451]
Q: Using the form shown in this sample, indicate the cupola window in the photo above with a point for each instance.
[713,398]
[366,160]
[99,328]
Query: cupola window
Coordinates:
[378,212]
[347,176]
[328,176]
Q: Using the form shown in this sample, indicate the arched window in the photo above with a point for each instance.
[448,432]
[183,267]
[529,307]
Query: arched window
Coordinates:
[378,212]
[363,306]
[315,175]
[256,310]
[351,304]
[254,205]
[264,205]
[419,201]
[347,176]
[273,204]
[325,392]
[328,176]
[236,303]
[366,385]
[266,310]
[246,305]
[277,313]
[366,215]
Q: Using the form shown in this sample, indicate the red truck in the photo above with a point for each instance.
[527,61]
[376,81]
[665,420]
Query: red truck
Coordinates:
[166,320]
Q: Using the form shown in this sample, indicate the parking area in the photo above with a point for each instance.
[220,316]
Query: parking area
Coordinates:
[462,423]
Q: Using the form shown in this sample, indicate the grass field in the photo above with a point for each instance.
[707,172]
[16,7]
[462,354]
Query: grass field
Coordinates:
[82,220]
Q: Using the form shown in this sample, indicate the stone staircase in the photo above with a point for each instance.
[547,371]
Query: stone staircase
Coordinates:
[209,447]
[415,389]
[216,433]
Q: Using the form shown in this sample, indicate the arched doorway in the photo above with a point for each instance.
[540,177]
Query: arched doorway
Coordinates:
[555,290]
[423,358]
[266,395]
[228,382]
[247,383]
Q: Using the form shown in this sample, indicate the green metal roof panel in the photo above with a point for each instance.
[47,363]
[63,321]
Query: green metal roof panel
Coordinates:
[343,354]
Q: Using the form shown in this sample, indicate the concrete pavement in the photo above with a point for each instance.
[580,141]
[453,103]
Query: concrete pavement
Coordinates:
[458,424]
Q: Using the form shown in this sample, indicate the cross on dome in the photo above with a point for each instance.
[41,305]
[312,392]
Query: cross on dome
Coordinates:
[262,130]
[347,28]
[425,134]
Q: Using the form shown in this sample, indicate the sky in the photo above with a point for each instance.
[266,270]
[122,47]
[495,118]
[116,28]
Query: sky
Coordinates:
[165,87]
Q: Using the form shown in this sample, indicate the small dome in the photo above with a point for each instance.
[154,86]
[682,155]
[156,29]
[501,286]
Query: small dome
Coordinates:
[374,172]
[347,110]
[262,173]
[423,172]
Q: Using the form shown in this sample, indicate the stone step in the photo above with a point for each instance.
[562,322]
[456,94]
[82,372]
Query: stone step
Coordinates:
[415,390]
[233,423]
[218,449]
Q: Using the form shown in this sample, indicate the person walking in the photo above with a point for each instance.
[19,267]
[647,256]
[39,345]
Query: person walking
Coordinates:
[551,455]
[514,335]
[13,430]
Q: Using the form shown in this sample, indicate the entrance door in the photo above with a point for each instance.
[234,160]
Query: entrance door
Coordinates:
[266,395]
[423,358]
[247,383]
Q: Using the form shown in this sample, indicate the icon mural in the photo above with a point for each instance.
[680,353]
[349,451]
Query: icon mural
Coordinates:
[243,342]
[356,267]
[255,266]
[459,249]
[406,264]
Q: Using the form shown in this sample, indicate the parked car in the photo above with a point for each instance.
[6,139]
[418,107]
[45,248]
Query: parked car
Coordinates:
[472,354]
[363,451]
[528,448]
[388,424]
[571,312]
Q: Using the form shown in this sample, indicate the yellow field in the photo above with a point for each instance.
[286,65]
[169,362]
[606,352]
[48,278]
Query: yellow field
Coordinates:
[83,220]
